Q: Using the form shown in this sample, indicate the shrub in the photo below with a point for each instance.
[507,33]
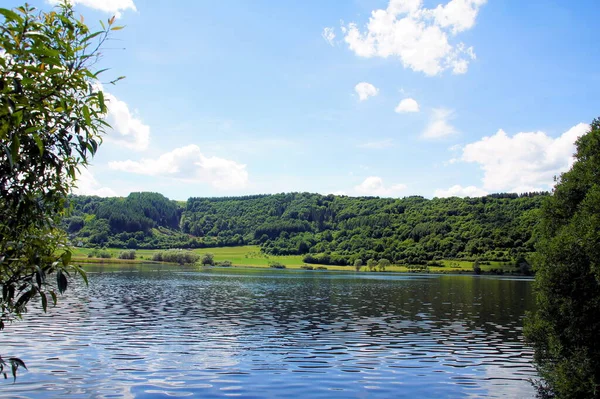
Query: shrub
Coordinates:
[225,263]
[127,254]
[277,265]
[176,256]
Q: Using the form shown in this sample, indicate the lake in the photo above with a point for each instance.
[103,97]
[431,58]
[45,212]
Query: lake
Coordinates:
[148,331]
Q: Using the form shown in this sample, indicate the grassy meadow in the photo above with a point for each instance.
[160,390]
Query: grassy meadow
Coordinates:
[251,256]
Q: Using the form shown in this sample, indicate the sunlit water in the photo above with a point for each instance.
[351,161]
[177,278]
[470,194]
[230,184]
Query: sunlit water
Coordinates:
[151,332]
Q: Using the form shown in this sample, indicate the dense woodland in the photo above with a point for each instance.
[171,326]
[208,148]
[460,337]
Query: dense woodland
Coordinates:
[327,229]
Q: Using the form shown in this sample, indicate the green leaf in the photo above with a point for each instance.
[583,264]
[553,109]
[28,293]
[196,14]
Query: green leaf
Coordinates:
[62,282]
[101,101]
[44,301]
[18,361]
[86,115]
[66,257]
[10,15]
[117,27]
[39,143]
[82,273]
[14,367]
[93,35]
[14,148]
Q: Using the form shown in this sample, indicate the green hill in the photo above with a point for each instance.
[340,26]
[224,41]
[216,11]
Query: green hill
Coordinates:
[326,229]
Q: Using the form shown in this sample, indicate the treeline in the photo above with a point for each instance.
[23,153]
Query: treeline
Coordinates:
[326,229]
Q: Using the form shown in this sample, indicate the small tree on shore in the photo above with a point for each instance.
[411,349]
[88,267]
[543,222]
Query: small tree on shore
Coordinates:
[208,259]
[371,264]
[358,263]
[382,264]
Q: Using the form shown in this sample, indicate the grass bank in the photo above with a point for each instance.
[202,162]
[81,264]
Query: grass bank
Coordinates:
[251,256]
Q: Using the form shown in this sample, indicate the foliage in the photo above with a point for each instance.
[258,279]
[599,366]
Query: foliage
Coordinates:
[371,264]
[276,265]
[51,118]
[14,363]
[208,259]
[382,264]
[127,254]
[476,267]
[565,328]
[358,263]
[176,256]
[224,263]
[334,230]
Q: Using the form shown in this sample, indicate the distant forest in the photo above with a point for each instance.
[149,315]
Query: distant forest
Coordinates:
[327,229]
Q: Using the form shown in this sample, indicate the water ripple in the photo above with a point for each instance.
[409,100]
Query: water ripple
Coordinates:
[153,333]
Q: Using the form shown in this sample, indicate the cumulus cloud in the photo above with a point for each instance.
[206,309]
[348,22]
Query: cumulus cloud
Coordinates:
[374,186]
[127,129]
[407,105]
[524,162]
[439,124]
[113,7]
[460,191]
[329,36]
[418,36]
[365,90]
[377,145]
[189,164]
[86,184]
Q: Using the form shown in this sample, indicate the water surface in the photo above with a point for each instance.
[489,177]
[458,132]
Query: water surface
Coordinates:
[156,331]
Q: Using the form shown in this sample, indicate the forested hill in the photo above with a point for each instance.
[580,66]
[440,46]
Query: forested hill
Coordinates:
[329,229]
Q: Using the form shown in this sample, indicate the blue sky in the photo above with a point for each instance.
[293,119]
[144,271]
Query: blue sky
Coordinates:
[363,97]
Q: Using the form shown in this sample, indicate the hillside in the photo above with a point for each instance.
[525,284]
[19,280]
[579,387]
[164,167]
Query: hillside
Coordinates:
[327,229]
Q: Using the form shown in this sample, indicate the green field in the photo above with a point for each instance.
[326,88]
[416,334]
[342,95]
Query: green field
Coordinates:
[251,256]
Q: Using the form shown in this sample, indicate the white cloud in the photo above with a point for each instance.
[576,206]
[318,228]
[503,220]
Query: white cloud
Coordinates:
[365,90]
[460,191]
[524,162]
[113,7]
[329,36]
[407,105]
[458,15]
[417,35]
[127,129]
[189,164]
[373,186]
[86,184]
[439,124]
[378,145]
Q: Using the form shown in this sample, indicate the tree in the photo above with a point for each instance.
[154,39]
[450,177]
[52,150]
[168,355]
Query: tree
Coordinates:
[51,119]
[358,263]
[476,267]
[382,264]
[208,259]
[565,328]
[371,264]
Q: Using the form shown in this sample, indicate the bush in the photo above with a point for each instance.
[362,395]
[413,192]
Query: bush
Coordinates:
[176,256]
[321,268]
[306,267]
[225,263]
[208,259]
[277,265]
[130,255]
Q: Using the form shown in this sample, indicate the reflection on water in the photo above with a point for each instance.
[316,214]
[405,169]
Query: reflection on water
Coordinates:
[148,332]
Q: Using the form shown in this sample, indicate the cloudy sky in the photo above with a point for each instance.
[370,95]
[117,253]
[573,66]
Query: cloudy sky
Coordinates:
[357,97]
